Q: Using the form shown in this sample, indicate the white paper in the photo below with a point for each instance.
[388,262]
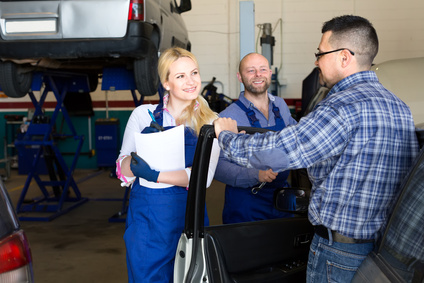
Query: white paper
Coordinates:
[163,151]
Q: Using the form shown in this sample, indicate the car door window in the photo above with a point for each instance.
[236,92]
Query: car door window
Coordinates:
[403,243]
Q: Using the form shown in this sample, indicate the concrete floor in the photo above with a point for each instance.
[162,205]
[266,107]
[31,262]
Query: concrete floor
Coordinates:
[83,245]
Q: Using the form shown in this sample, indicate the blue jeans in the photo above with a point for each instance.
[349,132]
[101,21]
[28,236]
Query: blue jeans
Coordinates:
[331,261]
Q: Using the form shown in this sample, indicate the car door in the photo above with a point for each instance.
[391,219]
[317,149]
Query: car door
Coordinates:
[399,256]
[262,251]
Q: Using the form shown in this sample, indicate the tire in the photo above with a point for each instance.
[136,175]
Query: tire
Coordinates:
[146,73]
[13,80]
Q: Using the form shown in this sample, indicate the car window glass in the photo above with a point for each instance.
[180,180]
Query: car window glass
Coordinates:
[215,197]
[404,238]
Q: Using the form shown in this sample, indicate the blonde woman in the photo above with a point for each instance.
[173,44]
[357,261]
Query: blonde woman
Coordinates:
[155,218]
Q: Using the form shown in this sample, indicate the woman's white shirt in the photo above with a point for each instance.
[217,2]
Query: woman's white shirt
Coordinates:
[140,119]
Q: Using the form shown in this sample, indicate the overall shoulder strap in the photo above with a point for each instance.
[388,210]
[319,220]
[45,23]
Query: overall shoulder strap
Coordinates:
[278,119]
[254,122]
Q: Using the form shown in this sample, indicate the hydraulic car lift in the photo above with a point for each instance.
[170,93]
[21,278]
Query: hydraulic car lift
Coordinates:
[41,134]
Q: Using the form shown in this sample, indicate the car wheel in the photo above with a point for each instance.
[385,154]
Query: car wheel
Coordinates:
[146,73]
[14,80]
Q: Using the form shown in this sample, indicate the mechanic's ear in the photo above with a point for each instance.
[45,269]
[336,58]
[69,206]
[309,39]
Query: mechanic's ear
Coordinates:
[346,58]
[239,77]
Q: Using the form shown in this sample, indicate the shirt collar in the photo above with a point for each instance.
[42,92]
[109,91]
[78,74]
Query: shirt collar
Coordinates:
[249,104]
[361,77]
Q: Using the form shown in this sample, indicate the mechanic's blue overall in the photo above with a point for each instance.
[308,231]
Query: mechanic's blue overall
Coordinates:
[155,221]
[240,203]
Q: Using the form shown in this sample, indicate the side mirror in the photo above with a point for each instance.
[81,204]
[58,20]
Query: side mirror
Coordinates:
[294,199]
[183,5]
[284,200]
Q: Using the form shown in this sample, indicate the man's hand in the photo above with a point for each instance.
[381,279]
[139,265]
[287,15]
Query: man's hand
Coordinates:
[225,124]
[267,176]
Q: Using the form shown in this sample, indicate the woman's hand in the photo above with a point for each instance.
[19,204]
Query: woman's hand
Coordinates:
[141,169]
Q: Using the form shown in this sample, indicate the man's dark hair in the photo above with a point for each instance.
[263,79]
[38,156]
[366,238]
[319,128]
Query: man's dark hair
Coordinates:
[355,33]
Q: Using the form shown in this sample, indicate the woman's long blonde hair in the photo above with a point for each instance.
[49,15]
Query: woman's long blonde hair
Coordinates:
[194,117]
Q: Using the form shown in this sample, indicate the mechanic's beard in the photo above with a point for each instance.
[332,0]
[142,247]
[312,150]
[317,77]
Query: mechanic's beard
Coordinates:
[250,87]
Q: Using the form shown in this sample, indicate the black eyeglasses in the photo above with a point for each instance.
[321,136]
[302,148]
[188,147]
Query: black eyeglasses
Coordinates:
[317,55]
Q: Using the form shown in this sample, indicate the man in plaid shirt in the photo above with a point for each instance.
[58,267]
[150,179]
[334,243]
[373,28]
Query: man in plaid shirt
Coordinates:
[357,145]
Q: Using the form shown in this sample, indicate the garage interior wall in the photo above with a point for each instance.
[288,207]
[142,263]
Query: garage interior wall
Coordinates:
[214,33]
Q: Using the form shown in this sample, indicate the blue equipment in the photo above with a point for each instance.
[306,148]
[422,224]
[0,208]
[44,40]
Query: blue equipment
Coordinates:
[41,134]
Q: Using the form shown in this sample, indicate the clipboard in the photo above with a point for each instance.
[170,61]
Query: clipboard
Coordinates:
[163,151]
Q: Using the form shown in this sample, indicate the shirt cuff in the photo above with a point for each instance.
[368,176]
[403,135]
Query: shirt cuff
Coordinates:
[126,181]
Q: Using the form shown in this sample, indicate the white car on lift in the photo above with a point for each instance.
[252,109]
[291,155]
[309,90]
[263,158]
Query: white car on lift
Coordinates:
[403,78]
[85,37]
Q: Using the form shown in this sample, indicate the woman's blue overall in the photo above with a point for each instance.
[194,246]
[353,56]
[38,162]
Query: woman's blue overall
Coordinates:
[155,221]
[241,205]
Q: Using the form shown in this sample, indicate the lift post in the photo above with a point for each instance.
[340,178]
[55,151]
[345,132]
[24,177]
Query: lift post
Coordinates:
[41,134]
[119,78]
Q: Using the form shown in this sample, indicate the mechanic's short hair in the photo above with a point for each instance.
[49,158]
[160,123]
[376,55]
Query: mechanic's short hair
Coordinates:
[245,58]
[168,57]
[355,33]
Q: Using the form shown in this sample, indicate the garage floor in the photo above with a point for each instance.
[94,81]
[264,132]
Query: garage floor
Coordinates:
[82,245]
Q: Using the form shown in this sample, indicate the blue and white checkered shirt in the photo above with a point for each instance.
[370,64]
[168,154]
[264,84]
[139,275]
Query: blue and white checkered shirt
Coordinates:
[357,144]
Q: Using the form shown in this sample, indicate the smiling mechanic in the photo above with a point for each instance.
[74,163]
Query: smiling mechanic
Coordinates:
[254,108]
[357,145]
[157,202]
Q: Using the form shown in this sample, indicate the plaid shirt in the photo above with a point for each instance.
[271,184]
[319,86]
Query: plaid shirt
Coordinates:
[357,144]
